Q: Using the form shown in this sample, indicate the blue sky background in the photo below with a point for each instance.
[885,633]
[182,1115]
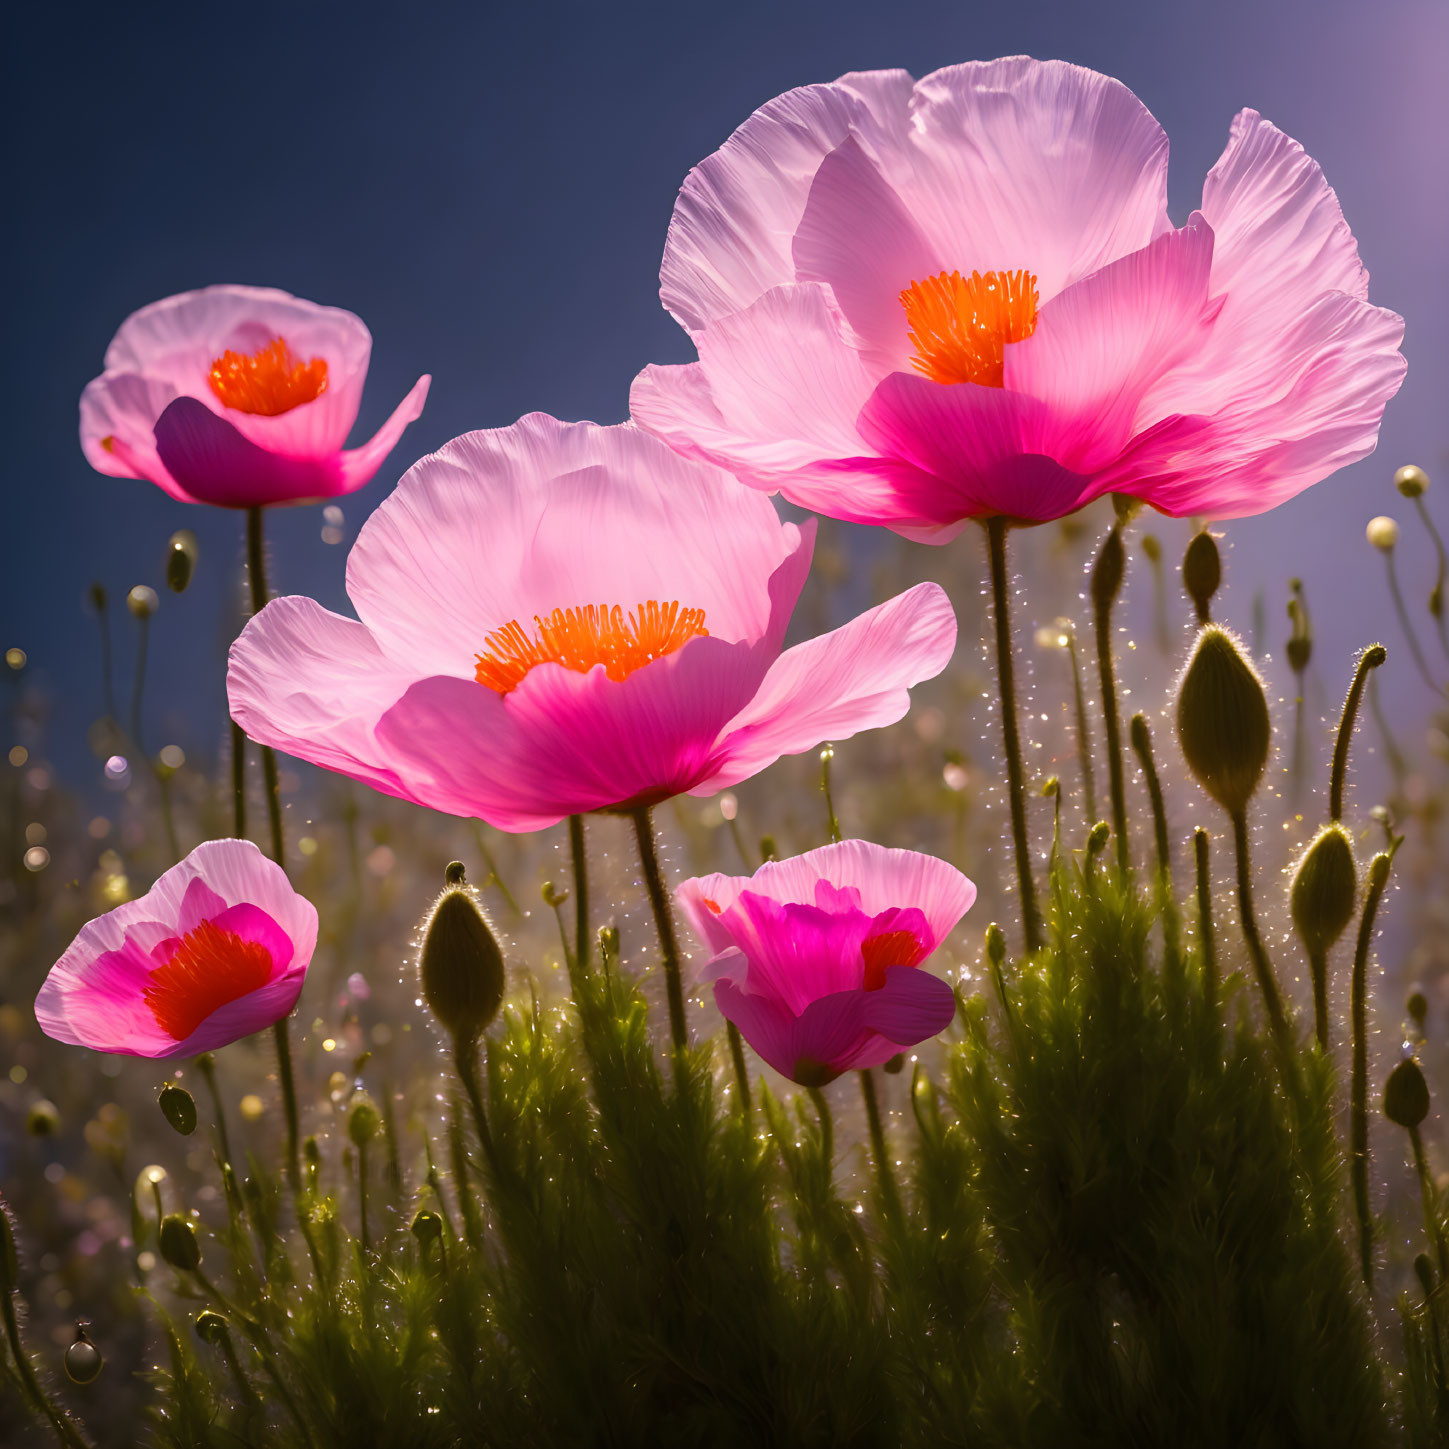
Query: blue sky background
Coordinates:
[488,186]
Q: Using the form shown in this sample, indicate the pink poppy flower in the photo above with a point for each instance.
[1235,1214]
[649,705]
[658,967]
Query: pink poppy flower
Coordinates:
[558,618]
[815,959]
[238,396]
[214,951]
[917,303]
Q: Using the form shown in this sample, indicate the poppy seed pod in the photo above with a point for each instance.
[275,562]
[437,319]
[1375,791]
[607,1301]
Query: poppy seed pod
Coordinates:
[179,1246]
[461,963]
[1325,886]
[1202,572]
[1406,1095]
[1222,720]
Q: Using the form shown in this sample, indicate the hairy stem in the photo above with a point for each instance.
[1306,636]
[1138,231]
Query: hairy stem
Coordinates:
[884,1175]
[1370,659]
[1206,937]
[579,854]
[1106,584]
[742,1071]
[1257,952]
[1358,1109]
[1084,736]
[663,924]
[1015,776]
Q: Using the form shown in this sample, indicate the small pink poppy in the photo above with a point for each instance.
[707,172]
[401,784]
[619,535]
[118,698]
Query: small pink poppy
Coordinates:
[217,949]
[240,397]
[559,618]
[816,959]
[921,302]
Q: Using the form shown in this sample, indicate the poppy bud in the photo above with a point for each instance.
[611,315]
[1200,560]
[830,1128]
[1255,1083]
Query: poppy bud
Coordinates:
[995,945]
[179,1246]
[461,963]
[1222,720]
[1151,547]
[1411,481]
[43,1119]
[211,1327]
[83,1361]
[427,1226]
[364,1121]
[180,560]
[1202,572]
[1418,1007]
[142,601]
[1325,887]
[552,895]
[179,1108]
[1107,572]
[1382,532]
[1406,1094]
[97,596]
[1097,839]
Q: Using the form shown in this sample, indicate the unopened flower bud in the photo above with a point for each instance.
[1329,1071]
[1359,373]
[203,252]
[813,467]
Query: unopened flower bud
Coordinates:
[552,895]
[1222,720]
[179,1245]
[1418,1008]
[1406,1094]
[1411,480]
[461,963]
[83,1361]
[1382,532]
[1325,887]
[181,554]
[895,1064]
[995,945]
[43,1119]
[1097,838]
[427,1226]
[364,1121]
[142,601]
[97,595]
[769,850]
[179,1108]
[1202,572]
[1151,547]
[1108,571]
[211,1327]
[609,942]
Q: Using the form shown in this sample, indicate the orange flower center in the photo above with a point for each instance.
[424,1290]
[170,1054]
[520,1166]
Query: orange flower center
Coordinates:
[581,638]
[960,326]
[271,380]
[209,967]
[890,948]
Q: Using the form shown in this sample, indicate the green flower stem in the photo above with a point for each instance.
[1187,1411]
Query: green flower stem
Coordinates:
[884,1175]
[206,1065]
[1318,969]
[1436,594]
[1106,584]
[138,686]
[1084,736]
[1426,1194]
[1358,1109]
[1420,663]
[465,1058]
[1257,952]
[1142,748]
[1206,939]
[663,923]
[1015,776]
[578,853]
[257,578]
[742,1071]
[832,823]
[64,1430]
[1370,659]
[827,1127]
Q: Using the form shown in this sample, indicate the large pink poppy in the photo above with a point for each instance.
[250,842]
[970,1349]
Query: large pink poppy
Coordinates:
[216,950]
[816,959]
[557,618]
[240,397]
[921,302]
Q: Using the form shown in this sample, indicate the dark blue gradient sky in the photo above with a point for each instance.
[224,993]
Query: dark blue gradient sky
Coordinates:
[488,186]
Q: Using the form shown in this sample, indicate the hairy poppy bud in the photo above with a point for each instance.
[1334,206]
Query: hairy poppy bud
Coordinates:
[211,1327]
[995,945]
[1097,838]
[461,963]
[1406,1094]
[142,601]
[552,894]
[1325,886]
[181,555]
[179,1108]
[179,1246]
[1222,720]
[1107,572]
[1411,481]
[1202,572]
[364,1121]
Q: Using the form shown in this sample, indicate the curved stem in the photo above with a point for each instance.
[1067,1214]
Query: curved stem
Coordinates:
[1371,658]
[1006,680]
[1106,583]
[1436,594]
[663,924]
[1358,1109]
[889,1196]
[579,854]
[1420,663]
[1257,953]
[64,1431]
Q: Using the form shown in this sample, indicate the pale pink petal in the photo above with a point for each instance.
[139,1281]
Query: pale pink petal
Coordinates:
[360,464]
[1101,344]
[858,238]
[519,521]
[831,687]
[214,463]
[1038,165]
[118,413]
[564,743]
[314,685]
[731,233]
[96,1000]
[973,451]
[694,896]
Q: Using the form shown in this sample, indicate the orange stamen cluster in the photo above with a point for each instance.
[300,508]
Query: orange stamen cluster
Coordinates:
[890,948]
[271,380]
[581,638]
[960,326]
[208,968]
